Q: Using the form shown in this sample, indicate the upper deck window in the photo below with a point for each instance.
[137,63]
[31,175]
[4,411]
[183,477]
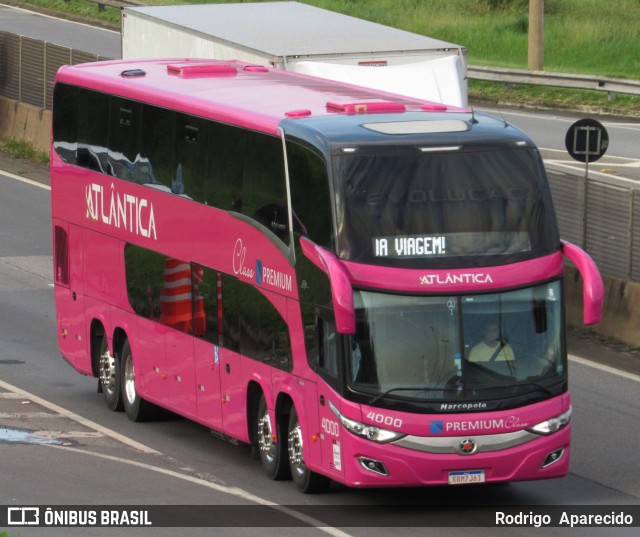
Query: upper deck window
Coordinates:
[401,206]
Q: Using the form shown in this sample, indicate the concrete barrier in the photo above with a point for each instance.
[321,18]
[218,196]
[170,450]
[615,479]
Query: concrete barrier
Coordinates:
[621,317]
[25,122]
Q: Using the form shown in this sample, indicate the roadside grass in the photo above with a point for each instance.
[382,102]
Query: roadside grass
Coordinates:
[21,149]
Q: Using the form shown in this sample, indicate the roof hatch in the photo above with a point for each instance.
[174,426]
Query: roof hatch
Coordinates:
[366,107]
[200,69]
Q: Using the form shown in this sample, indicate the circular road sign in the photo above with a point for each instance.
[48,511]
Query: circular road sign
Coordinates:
[587,140]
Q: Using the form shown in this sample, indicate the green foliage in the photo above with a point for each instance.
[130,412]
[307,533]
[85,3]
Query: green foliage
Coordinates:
[22,149]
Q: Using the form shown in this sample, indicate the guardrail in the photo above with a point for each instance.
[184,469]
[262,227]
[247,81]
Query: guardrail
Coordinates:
[114,3]
[561,80]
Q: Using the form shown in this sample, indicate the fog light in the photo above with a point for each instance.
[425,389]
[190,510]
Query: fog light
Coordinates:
[373,466]
[553,457]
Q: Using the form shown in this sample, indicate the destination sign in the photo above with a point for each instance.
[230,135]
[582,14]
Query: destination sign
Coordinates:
[410,246]
[450,244]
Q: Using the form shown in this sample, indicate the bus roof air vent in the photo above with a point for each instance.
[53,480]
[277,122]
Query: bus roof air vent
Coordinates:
[202,69]
[366,107]
[255,68]
[303,112]
[434,107]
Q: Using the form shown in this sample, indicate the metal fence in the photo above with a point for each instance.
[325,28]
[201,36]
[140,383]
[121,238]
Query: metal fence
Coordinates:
[602,216]
[28,67]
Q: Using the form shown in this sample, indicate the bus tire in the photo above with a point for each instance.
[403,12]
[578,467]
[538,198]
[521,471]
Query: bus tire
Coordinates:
[137,409]
[109,376]
[305,480]
[271,445]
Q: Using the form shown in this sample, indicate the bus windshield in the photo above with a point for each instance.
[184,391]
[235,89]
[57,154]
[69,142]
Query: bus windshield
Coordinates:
[458,348]
[410,207]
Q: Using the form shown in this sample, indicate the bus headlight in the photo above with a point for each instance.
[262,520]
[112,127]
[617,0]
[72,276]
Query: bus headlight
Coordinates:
[552,425]
[370,432]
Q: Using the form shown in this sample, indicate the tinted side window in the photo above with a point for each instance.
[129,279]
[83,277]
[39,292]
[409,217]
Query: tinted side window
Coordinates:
[310,197]
[263,184]
[92,124]
[144,271]
[124,139]
[65,131]
[191,157]
[210,162]
[254,326]
[225,157]
[157,146]
[160,288]
[208,304]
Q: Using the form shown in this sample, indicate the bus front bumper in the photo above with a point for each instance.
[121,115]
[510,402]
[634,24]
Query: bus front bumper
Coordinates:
[390,465]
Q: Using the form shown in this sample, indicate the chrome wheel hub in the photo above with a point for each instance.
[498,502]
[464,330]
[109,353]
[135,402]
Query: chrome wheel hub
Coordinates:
[296,459]
[265,437]
[108,371]
[129,382]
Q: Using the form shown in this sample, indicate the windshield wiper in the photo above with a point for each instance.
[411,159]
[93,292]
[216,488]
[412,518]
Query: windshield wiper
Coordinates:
[546,390]
[408,389]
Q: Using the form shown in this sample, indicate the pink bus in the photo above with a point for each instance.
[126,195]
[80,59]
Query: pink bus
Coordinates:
[366,288]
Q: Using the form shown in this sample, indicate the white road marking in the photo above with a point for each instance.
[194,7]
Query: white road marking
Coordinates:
[232,491]
[77,418]
[605,368]
[16,393]
[24,180]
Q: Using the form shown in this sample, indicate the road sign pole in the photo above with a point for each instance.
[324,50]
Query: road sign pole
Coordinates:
[586,189]
[578,143]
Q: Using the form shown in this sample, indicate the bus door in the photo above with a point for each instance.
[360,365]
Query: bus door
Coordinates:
[234,405]
[150,360]
[69,294]
[208,330]
[181,377]
[329,370]
[176,312]
[208,397]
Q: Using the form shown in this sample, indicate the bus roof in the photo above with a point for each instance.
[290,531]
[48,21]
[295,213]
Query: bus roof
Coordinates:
[235,92]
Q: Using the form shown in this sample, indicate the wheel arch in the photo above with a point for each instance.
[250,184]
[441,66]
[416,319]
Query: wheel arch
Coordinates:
[96,333]
[119,337]
[254,393]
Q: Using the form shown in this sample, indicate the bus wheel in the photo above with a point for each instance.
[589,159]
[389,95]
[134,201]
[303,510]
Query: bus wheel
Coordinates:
[271,445]
[304,479]
[110,376]
[137,409]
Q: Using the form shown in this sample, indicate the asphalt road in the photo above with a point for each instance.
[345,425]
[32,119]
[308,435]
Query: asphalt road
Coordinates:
[105,43]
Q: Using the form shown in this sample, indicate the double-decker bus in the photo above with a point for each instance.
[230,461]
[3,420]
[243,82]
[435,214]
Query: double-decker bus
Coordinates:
[366,288]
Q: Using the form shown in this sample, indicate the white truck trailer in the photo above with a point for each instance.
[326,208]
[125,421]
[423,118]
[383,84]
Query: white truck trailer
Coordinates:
[301,38]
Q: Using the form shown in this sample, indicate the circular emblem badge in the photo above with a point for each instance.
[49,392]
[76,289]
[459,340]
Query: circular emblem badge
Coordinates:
[467,446]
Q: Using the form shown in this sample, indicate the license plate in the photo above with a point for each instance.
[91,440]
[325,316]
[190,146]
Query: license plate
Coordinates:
[466,477]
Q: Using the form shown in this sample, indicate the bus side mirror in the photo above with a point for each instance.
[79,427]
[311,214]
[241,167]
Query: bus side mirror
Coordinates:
[341,289]
[592,286]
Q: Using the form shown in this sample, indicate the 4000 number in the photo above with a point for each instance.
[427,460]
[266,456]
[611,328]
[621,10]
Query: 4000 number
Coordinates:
[330,427]
[381,419]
